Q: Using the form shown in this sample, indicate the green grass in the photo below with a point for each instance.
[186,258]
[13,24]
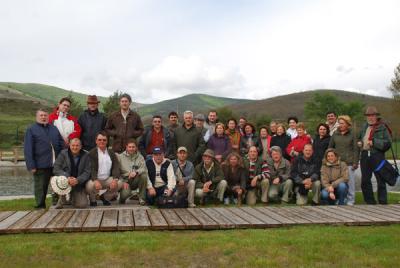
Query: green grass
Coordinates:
[313,246]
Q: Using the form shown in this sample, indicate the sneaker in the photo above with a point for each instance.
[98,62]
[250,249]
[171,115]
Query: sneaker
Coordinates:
[191,205]
[93,204]
[142,202]
[105,202]
[226,201]
[235,201]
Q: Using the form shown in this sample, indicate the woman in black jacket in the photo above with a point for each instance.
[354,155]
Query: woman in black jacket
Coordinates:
[321,142]
[281,139]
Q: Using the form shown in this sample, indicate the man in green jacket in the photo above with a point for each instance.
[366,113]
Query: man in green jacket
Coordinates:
[133,172]
[208,179]
[374,140]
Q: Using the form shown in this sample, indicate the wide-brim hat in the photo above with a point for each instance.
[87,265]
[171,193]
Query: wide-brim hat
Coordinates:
[371,110]
[60,185]
[209,153]
[92,99]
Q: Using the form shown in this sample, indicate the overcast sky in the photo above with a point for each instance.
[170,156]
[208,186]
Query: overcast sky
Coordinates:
[158,50]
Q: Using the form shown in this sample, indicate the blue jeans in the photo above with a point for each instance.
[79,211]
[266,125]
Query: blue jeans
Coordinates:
[340,194]
[159,192]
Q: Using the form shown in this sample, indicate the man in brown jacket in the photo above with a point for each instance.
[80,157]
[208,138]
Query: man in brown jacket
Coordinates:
[124,124]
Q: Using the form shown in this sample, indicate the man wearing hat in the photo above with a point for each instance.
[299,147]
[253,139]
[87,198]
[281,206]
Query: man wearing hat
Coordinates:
[74,164]
[199,120]
[374,140]
[183,170]
[91,121]
[162,179]
[208,180]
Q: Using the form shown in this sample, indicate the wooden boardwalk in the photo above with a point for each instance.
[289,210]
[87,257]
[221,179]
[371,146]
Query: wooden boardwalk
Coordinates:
[123,219]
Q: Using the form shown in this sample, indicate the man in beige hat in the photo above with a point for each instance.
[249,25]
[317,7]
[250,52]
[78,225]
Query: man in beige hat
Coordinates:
[183,170]
[374,140]
[208,180]
[91,121]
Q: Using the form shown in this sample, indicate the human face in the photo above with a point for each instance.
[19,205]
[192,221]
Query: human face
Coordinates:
[207,160]
[188,118]
[280,131]
[233,161]
[276,156]
[331,157]
[101,142]
[322,131]
[93,106]
[173,120]
[263,133]
[158,158]
[307,151]
[182,155]
[272,126]
[343,126]
[42,117]
[219,130]
[212,117]
[253,153]
[248,130]
[75,147]
[131,148]
[157,123]
[292,124]
[64,106]
[372,119]
[331,118]
[231,125]
[124,104]
[199,123]
[300,131]
[242,122]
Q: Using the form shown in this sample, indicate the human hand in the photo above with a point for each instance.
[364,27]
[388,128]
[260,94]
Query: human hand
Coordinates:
[97,185]
[72,181]
[275,181]
[254,181]
[125,186]
[152,191]
[114,184]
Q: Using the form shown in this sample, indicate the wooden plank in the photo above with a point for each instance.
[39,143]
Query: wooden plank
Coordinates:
[378,214]
[58,223]
[76,221]
[157,220]
[389,207]
[284,220]
[270,222]
[254,222]
[5,214]
[40,224]
[316,217]
[218,218]
[125,220]
[141,219]
[351,210]
[285,212]
[356,220]
[234,218]
[93,221]
[11,220]
[109,221]
[393,206]
[385,209]
[23,224]
[173,220]
[189,220]
[205,221]
[296,212]
[338,217]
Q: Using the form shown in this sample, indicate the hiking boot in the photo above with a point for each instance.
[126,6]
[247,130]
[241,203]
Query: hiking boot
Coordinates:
[191,205]
[105,202]
[226,201]
[142,202]
[93,204]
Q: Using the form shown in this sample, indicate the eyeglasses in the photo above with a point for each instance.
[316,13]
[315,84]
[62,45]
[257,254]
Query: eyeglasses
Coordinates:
[102,139]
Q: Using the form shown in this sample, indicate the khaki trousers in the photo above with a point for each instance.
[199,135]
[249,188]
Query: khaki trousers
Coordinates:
[105,184]
[253,193]
[303,199]
[285,189]
[218,192]
[140,183]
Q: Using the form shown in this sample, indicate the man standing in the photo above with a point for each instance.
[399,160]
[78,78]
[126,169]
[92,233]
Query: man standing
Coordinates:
[183,170]
[332,122]
[74,163]
[258,177]
[305,174]
[133,172]
[91,121]
[211,120]
[66,124]
[156,136]
[199,123]
[208,180]
[190,137]
[173,121]
[104,172]
[124,124]
[162,179]
[42,145]
[374,141]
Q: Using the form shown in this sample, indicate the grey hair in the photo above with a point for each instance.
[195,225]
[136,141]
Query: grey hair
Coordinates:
[187,112]
[276,149]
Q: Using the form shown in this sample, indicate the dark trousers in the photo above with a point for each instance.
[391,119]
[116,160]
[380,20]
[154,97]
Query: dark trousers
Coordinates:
[41,179]
[367,168]
[159,192]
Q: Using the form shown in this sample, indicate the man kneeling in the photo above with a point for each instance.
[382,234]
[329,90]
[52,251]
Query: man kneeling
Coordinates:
[74,164]
[208,180]
[133,171]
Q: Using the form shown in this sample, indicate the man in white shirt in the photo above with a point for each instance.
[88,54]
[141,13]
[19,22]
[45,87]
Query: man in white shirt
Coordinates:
[162,179]
[332,122]
[105,172]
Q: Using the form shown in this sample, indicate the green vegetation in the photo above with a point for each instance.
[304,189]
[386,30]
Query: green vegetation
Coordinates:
[302,246]
[394,86]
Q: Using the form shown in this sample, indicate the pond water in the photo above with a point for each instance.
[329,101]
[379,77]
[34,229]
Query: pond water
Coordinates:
[18,181]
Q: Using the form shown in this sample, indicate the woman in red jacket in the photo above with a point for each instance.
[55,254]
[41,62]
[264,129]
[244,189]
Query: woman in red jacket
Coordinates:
[66,124]
[296,146]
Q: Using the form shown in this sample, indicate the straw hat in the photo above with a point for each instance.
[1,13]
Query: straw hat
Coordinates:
[60,185]
[371,110]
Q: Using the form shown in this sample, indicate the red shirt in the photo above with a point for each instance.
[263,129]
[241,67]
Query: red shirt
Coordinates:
[157,140]
[298,144]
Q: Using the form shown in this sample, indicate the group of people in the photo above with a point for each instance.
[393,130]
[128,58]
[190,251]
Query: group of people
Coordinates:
[201,159]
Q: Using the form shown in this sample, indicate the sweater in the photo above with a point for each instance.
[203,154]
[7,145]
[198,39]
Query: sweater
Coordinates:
[220,145]
[298,144]
[91,123]
[345,146]
[192,139]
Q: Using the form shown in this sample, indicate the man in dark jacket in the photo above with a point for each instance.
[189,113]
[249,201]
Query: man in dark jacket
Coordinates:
[156,136]
[190,137]
[374,140]
[74,163]
[91,121]
[124,124]
[306,176]
[43,143]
